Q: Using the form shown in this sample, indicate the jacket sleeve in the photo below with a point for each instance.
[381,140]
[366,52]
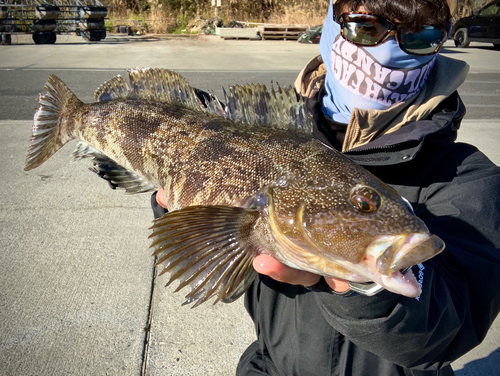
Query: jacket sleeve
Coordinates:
[460,202]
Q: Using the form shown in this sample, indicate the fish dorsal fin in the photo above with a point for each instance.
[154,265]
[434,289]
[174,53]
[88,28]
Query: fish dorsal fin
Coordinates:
[158,85]
[115,88]
[252,104]
[107,169]
[162,85]
[281,108]
[208,248]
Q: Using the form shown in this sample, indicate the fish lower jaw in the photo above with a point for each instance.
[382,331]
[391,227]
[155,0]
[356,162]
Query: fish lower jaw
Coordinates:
[403,284]
[308,257]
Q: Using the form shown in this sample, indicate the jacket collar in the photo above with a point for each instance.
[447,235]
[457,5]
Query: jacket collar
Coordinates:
[437,109]
[366,126]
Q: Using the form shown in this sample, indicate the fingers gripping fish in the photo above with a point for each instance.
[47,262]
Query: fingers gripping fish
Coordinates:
[240,180]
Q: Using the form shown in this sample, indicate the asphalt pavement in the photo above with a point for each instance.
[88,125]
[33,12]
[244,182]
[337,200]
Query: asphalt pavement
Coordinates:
[79,293]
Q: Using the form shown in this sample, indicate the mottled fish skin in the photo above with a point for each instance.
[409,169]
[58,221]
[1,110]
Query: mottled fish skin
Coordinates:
[198,158]
[309,206]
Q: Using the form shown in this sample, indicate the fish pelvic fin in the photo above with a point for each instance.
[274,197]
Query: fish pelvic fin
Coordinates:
[52,125]
[208,247]
[116,175]
[280,107]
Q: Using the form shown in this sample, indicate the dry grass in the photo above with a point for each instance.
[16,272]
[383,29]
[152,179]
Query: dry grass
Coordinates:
[300,15]
[158,16]
[167,16]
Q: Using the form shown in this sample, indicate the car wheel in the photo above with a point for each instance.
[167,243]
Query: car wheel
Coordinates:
[6,39]
[36,38]
[496,46]
[92,35]
[44,37]
[461,38]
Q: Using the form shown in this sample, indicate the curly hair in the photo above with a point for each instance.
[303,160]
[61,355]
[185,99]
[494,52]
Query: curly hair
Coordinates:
[414,14]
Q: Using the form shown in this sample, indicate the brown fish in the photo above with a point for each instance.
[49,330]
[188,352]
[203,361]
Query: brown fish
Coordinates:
[240,180]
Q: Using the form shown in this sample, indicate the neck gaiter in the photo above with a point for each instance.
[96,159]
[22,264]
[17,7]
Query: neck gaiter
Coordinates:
[367,77]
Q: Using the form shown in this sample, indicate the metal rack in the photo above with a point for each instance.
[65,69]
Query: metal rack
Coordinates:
[45,20]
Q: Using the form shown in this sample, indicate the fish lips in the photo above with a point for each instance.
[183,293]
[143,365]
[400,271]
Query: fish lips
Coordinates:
[405,251]
[397,253]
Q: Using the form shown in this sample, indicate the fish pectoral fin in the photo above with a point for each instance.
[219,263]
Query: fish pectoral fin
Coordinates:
[208,247]
[107,169]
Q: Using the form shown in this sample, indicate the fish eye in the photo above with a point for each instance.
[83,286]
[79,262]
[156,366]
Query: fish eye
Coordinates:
[365,199]
[362,204]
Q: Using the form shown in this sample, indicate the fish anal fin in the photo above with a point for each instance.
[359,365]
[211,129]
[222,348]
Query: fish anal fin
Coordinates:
[208,247]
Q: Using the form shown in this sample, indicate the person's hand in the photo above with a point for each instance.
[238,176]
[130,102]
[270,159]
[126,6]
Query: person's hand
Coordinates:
[268,265]
[160,198]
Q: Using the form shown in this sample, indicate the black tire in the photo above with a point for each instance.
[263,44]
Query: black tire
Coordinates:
[51,38]
[92,35]
[496,46]
[44,37]
[461,38]
[6,39]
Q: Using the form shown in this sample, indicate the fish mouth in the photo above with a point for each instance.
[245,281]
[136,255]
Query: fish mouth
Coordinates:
[396,253]
[405,251]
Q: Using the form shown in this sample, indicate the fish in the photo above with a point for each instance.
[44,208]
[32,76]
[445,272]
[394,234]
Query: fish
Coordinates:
[241,178]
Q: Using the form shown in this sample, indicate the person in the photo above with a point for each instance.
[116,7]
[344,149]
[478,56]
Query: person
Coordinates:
[381,93]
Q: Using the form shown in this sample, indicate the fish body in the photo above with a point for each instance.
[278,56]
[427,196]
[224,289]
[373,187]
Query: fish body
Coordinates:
[241,180]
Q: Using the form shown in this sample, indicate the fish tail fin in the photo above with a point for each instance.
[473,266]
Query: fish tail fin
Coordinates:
[51,123]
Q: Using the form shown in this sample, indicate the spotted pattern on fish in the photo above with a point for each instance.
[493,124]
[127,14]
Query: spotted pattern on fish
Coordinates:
[236,185]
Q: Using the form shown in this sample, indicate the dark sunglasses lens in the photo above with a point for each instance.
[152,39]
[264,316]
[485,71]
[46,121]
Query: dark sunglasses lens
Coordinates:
[424,43]
[363,29]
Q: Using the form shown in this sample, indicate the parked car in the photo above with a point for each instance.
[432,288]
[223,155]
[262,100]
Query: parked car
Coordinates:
[482,26]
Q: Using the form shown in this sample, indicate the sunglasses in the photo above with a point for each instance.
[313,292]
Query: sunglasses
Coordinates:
[366,29]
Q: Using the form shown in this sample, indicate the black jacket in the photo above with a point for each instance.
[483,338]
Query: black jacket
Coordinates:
[455,189]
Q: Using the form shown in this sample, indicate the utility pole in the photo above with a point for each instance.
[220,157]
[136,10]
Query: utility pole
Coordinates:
[216,4]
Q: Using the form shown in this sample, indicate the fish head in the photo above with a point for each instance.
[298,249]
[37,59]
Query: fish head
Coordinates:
[351,226]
